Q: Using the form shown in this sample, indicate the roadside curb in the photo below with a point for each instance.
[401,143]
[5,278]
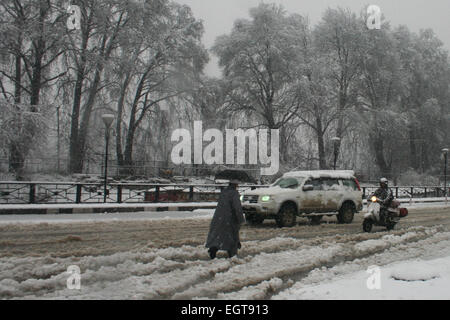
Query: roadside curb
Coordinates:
[101,208]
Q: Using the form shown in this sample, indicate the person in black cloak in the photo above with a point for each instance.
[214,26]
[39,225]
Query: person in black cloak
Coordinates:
[226,222]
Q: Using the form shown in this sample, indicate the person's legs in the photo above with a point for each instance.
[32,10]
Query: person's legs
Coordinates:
[212,252]
[232,253]
[383,214]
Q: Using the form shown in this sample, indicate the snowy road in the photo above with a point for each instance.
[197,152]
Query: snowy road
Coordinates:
[139,257]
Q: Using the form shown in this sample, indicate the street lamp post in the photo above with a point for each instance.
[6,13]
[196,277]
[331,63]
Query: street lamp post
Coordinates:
[445,152]
[108,120]
[58,148]
[335,145]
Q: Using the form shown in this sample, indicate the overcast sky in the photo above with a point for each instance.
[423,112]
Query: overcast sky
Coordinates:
[219,15]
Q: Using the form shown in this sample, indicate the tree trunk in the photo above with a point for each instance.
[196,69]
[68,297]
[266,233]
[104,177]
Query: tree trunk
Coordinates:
[19,152]
[79,134]
[128,153]
[37,74]
[425,157]
[40,48]
[320,145]
[340,124]
[283,144]
[16,159]
[380,160]
[120,104]
[76,163]
[18,79]
[132,125]
[85,119]
[75,152]
[413,150]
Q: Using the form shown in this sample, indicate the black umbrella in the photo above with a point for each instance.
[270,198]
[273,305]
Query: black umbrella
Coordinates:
[233,174]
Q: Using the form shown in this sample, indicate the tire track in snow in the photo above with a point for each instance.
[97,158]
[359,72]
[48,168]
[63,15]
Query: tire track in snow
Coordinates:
[39,275]
[428,248]
[292,265]
[46,277]
[48,273]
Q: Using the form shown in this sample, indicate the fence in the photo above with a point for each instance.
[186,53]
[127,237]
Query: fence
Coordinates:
[13,192]
[51,192]
[411,191]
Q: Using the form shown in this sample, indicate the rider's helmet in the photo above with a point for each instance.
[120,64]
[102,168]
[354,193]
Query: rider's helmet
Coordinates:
[384,182]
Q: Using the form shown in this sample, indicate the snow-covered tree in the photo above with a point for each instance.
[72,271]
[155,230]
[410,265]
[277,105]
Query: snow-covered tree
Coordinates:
[338,37]
[31,41]
[164,43]
[260,60]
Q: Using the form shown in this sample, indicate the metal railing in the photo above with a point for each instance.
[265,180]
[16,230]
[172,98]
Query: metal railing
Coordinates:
[12,192]
[31,192]
[411,191]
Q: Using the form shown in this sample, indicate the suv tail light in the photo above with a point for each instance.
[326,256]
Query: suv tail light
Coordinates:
[357,184]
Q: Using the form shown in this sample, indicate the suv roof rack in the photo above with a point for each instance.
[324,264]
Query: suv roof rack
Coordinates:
[345,174]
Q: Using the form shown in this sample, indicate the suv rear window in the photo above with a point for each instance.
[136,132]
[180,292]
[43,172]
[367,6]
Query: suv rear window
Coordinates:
[350,183]
[330,184]
[324,184]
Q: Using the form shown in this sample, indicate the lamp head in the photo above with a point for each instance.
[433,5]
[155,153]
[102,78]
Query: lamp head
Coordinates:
[108,119]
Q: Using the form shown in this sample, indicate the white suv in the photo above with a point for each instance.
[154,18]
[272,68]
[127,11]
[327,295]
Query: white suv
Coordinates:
[305,194]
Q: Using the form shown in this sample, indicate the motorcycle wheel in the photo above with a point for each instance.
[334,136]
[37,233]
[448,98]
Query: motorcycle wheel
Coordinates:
[367,225]
[390,225]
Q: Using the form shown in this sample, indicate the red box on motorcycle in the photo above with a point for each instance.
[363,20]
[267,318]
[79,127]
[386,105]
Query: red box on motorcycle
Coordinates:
[403,212]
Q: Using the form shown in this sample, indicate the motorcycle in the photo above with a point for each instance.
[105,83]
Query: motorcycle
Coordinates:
[383,216]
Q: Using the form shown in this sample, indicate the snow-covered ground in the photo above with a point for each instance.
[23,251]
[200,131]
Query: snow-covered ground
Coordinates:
[161,255]
[105,217]
[411,279]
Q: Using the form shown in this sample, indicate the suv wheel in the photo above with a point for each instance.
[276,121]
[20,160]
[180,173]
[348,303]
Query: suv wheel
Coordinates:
[287,216]
[390,226]
[254,219]
[346,213]
[315,219]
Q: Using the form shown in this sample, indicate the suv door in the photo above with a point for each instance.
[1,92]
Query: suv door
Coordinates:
[324,197]
[332,194]
[352,191]
[311,199]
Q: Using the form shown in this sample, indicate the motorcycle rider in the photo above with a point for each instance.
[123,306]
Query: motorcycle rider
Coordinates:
[385,195]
